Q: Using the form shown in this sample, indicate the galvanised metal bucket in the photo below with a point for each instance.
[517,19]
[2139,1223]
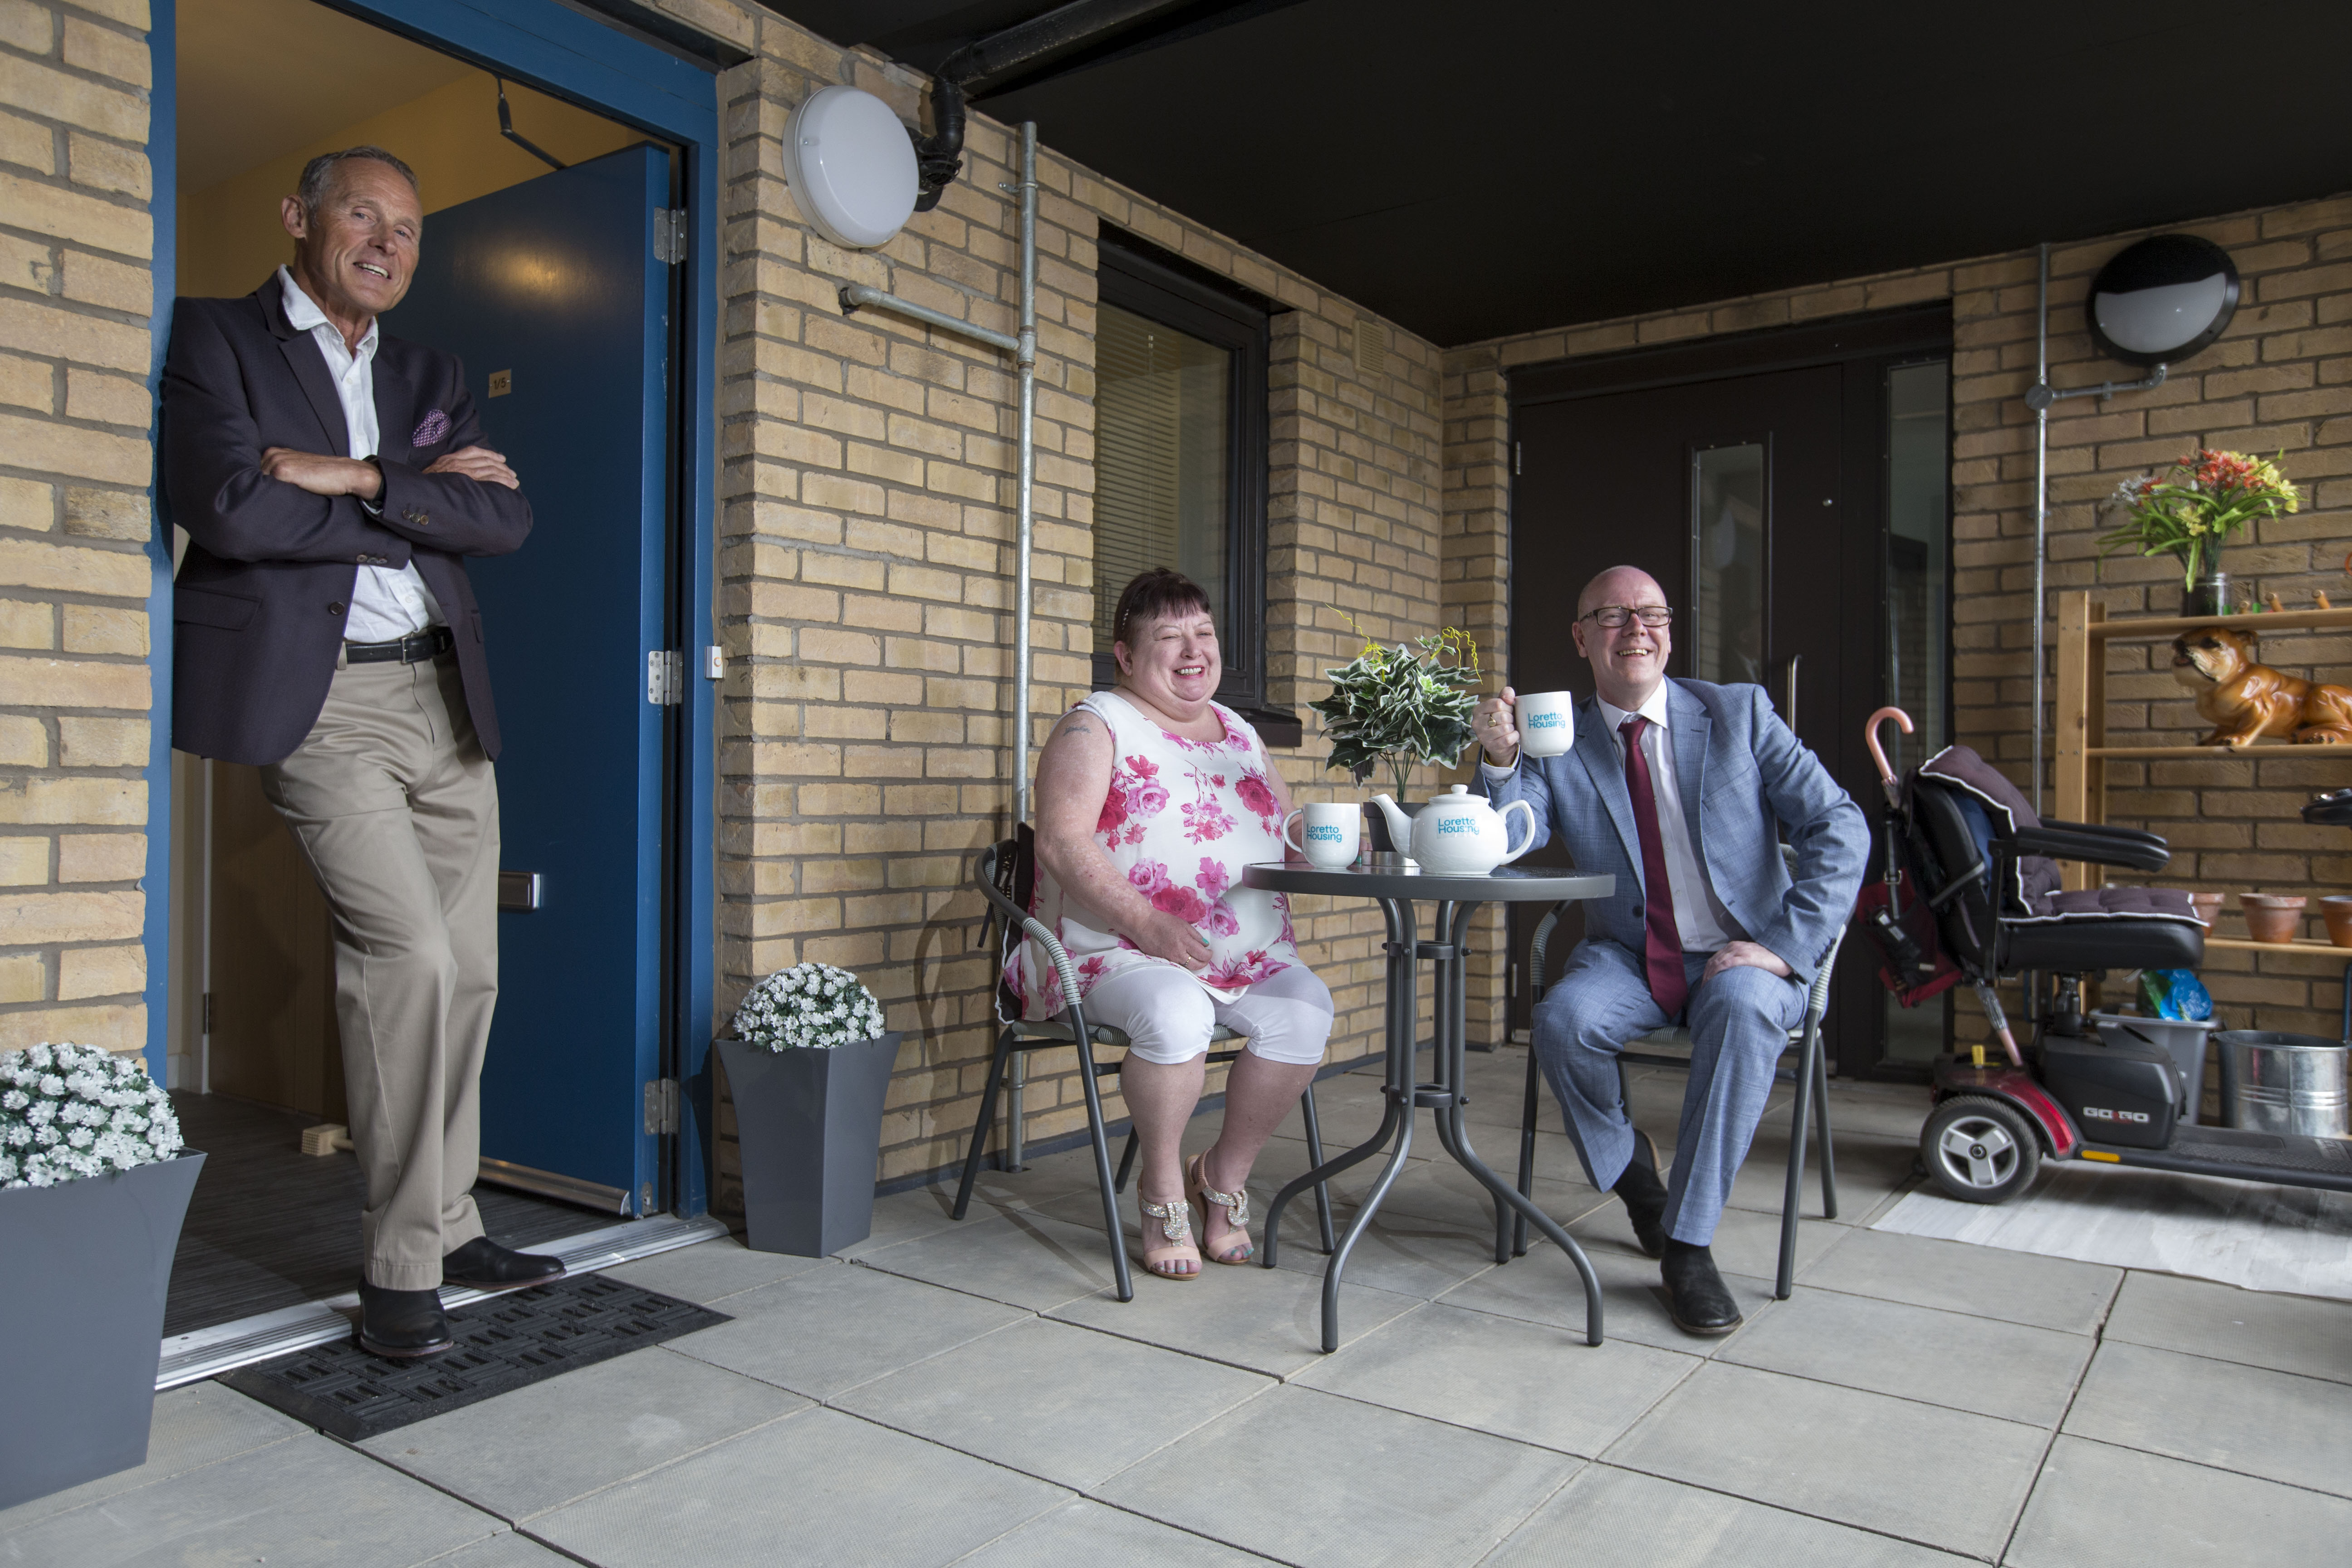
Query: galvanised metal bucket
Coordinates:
[2291,1084]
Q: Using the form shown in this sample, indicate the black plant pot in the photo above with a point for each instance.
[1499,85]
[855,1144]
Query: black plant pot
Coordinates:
[811,1126]
[1377,841]
[87,1265]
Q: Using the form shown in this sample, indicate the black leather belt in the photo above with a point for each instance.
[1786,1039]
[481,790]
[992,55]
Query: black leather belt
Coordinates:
[414,649]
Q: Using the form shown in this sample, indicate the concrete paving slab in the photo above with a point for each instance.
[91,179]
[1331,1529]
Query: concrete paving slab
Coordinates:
[2103,1507]
[1869,1170]
[201,1424]
[1317,1480]
[1024,1258]
[1881,1110]
[2274,1425]
[1398,1252]
[1442,1190]
[832,1329]
[712,1270]
[308,1500]
[1263,1320]
[820,1490]
[1609,1518]
[2008,1370]
[541,1446]
[1087,1534]
[1841,1454]
[1543,1288]
[1988,1281]
[1527,1382]
[2301,1334]
[1055,1401]
[507,1550]
[911,1215]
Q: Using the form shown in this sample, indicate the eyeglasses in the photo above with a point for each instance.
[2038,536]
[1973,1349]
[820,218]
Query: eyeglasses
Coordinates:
[1612,616]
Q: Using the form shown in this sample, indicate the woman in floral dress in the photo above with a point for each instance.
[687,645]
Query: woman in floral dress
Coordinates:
[1151,799]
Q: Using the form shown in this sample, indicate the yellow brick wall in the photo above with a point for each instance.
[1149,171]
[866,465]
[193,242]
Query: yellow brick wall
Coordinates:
[76,248]
[2279,381]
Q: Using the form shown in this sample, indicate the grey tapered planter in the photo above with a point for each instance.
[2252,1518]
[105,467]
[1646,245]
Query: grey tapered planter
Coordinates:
[88,1263]
[811,1126]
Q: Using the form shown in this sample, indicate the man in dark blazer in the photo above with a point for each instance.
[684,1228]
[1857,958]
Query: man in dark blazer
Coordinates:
[331,480]
[1682,790]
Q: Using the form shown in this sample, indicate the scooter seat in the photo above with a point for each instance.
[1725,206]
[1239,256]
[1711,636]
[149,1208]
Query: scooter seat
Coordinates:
[2070,945]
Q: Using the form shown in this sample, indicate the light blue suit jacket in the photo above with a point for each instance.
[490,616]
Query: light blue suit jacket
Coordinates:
[1744,777]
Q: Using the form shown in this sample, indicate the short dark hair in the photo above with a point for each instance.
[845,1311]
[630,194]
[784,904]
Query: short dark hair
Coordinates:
[1153,594]
[319,173]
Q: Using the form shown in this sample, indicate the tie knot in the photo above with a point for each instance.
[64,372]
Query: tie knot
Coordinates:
[1633,728]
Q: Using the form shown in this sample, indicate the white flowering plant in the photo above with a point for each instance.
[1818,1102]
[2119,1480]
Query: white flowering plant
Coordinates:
[810,1008]
[70,1110]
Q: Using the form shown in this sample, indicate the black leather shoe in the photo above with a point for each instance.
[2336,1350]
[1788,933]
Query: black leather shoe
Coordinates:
[1644,1196]
[401,1324]
[1699,1299]
[483,1265]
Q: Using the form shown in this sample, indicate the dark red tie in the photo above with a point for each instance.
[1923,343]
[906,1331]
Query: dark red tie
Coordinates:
[1662,946]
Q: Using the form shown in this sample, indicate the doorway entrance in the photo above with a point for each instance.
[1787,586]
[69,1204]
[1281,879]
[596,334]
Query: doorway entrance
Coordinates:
[1788,491]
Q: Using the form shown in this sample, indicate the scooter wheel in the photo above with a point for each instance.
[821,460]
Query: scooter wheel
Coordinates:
[1979,1150]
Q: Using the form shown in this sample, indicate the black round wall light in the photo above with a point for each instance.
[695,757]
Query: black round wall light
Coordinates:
[2160,300]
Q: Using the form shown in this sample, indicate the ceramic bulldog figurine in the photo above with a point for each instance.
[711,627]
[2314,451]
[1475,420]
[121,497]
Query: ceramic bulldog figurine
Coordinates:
[2245,699]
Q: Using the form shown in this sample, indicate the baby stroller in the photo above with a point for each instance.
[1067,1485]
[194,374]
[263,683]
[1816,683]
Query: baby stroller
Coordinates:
[1971,892]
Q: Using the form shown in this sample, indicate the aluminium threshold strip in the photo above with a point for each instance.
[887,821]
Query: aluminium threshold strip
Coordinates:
[206,1353]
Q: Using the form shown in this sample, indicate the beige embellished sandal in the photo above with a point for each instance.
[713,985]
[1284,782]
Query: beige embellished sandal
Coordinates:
[1236,1205]
[1176,1224]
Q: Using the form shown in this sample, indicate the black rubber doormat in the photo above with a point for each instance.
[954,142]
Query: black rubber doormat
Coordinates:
[503,1343]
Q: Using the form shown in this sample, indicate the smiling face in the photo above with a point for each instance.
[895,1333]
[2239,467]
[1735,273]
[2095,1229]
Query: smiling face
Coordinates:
[355,254]
[1629,662]
[1172,662]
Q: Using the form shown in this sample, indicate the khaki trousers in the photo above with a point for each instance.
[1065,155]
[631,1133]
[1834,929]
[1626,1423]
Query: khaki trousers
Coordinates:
[396,809]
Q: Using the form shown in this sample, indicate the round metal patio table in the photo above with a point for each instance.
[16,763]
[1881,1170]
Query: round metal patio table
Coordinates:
[1457,898]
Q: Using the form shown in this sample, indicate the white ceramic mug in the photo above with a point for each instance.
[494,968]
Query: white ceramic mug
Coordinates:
[1334,833]
[1546,722]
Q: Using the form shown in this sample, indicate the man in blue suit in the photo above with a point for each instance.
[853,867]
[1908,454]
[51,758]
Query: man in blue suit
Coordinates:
[1683,790]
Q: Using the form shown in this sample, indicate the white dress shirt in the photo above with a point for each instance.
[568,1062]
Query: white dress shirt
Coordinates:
[386,603]
[1700,919]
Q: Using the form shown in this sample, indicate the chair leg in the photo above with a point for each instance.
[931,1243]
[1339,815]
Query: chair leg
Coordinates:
[980,1128]
[1800,1121]
[1822,1128]
[1314,1161]
[1116,1236]
[1526,1183]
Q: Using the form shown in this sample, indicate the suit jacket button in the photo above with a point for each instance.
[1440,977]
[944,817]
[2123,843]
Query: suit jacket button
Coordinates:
[335,607]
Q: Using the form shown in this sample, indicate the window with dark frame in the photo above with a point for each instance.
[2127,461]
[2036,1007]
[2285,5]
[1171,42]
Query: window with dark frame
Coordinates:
[1181,436]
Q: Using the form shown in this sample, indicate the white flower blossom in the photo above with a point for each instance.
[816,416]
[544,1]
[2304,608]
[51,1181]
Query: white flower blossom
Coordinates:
[74,1110]
[810,1006]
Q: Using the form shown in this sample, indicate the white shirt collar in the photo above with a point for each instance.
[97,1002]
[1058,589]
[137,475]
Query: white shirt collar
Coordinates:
[1653,710]
[302,313]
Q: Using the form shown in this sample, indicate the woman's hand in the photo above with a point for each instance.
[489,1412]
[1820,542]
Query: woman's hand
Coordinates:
[1172,937]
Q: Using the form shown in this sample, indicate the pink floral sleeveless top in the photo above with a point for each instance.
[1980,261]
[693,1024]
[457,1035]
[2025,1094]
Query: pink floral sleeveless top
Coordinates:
[1181,819]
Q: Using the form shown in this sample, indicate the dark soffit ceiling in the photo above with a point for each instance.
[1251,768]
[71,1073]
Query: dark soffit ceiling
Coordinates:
[1474,170]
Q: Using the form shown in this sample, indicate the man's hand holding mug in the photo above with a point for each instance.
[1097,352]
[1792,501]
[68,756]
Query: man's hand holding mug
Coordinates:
[1499,736]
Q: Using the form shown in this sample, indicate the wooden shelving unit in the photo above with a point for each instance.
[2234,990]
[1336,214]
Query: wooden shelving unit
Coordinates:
[2079,730]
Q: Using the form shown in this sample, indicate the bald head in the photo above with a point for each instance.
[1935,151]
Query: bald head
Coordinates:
[1628,661]
[1620,585]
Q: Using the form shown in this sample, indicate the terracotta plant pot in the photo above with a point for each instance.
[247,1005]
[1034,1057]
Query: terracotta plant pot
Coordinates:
[2338,913]
[2273,917]
[2208,906]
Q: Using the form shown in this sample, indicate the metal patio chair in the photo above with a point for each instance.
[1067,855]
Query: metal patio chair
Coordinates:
[1669,1047]
[1005,876]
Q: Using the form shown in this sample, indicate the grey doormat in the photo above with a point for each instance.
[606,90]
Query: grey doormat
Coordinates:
[502,1343]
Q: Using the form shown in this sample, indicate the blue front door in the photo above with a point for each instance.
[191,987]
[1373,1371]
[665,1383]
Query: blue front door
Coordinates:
[552,294]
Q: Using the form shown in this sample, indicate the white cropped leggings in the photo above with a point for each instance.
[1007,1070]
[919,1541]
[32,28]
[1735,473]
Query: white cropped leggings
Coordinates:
[1168,1016]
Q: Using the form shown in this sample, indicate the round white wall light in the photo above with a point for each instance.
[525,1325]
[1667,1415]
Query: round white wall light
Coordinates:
[2160,300]
[851,166]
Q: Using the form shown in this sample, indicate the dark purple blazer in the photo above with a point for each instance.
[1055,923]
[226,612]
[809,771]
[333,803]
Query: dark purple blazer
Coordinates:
[258,606]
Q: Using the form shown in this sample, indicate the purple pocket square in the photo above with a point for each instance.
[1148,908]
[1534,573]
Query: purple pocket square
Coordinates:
[435,427]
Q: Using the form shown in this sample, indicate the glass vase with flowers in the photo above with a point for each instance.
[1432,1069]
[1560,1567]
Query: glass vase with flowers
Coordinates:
[2191,510]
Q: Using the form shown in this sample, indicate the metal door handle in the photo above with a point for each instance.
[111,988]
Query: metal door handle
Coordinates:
[1787,698]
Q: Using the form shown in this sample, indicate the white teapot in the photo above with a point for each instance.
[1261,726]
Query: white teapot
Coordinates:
[1458,834]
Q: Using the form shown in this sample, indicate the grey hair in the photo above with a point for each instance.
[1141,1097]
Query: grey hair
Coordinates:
[319,173]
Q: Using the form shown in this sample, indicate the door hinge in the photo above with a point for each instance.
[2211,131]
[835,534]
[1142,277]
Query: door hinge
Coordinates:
[661,1105]
[669,234]
[664,676]
[1518,453]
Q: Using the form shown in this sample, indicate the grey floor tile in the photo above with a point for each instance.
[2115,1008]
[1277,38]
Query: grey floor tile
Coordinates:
[1870,1170]
[1882,1109]
[201,1424]
[1543,1288]
[507,1550]
[831,1329]
[1266,1320]
[1314,1480]
[2102,1507]
[2274,1425]
[1055,1401]
[2009,1370]
[1397,1252]
[306,1501]
[1524,1381]
[2258,1328]
[819,1490]
[711,1270]
[541,1446]
[1442,1190]
[1609,1518]
[1989,1281]
[1841,1454]
[925,1210]
[1747,1241]
[1087,1534]
[1025,1258]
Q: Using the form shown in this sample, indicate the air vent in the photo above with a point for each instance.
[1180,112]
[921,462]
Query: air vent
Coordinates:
[1371,347]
